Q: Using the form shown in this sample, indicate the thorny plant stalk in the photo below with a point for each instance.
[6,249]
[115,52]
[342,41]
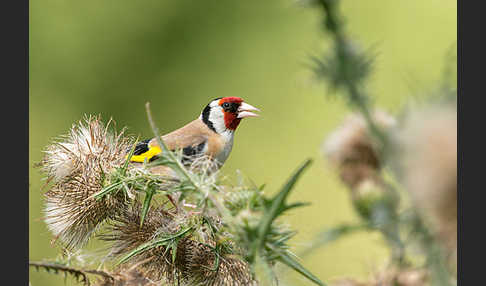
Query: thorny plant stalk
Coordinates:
[346,69]
[345,58]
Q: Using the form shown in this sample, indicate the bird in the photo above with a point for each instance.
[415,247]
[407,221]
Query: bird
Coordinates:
[211,134]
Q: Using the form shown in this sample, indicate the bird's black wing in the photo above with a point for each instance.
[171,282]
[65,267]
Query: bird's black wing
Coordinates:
[191,152]
[142,152]
[141,147]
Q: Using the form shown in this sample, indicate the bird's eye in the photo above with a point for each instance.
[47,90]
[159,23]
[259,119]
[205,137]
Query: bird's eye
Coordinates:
[226,105]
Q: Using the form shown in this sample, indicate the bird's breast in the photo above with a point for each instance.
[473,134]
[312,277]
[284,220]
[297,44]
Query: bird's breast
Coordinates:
[227,140]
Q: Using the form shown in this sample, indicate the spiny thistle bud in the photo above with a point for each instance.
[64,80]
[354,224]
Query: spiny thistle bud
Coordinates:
[352,150]
[78,164]
[368,195]
[172,251]
[427,166]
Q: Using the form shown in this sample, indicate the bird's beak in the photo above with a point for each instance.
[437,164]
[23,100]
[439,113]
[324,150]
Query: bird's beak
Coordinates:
[245,110]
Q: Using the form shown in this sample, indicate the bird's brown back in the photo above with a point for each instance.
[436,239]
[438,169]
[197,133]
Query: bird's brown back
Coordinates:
[192,134]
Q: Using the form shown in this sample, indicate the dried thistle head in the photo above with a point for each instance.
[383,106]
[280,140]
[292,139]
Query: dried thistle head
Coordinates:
[78,164]
[190,258]
[401,277]
[348,282]
[89,139]
[126,277]
[352,150]
[207,267]
[426,161]
[125,230]
[391,276]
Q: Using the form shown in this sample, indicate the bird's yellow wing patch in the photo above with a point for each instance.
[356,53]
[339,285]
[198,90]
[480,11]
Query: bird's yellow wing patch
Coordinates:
[149,154]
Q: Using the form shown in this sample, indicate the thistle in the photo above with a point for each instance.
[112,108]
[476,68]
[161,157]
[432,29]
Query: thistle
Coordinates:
[390,277]
[172,248]
[209,234]
[426,164]
[78,164]
[354,152]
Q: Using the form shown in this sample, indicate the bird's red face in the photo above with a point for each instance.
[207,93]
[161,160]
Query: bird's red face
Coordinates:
[225,113]
[234,109]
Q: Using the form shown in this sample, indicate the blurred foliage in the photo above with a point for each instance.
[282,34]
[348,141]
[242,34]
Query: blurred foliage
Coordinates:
[346,67]
[112,57]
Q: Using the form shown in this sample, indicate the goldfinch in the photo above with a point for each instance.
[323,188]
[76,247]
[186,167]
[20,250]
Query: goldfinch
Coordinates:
[210,134]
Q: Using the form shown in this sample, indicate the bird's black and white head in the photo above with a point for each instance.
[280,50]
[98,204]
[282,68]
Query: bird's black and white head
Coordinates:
[223,115]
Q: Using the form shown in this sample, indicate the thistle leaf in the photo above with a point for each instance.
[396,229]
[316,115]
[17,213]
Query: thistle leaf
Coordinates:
[129,156]
[165,241]
[278,204]
[146,203]
[174,251]
[108,189]
[333,234]
[292,263]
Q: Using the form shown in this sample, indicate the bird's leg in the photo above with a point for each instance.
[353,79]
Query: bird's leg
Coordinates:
[191,213]
[173,203]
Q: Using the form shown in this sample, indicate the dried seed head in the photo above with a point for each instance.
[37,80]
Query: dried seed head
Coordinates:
[427,165]
[126,233]
[195,262]
[412,277]
[352,150]
[126,277]
[203,267]
[401,277]
[88,140]
[78,164]
[390,277]
[348,282]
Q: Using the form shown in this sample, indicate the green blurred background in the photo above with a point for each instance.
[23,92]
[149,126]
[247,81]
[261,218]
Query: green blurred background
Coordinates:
[111,57]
